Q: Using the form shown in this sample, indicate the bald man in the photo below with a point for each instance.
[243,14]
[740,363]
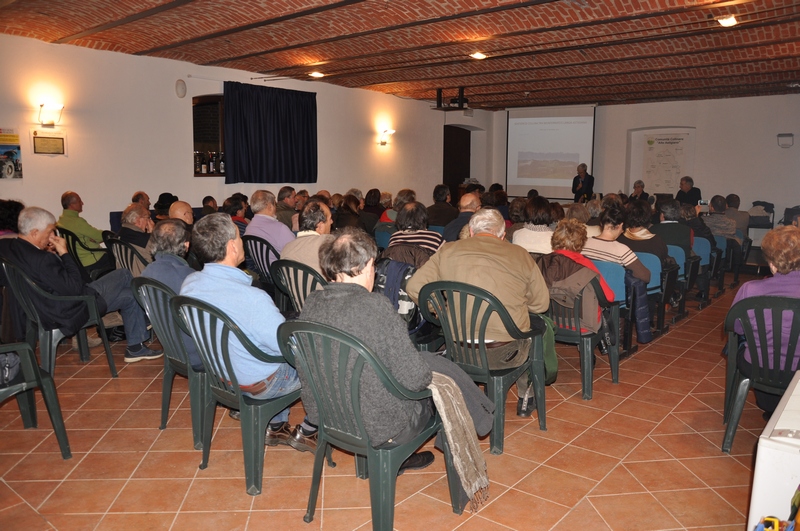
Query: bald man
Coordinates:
[182,210]
[467,205]
[91,237]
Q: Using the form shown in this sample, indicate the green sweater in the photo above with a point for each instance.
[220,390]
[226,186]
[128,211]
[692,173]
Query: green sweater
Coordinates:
[90,236]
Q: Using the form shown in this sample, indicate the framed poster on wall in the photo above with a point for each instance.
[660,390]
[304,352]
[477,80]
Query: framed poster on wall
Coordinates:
[49,142]
[659,156]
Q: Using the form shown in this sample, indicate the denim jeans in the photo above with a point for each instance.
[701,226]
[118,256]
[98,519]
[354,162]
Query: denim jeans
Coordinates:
[283,382]
[115,289]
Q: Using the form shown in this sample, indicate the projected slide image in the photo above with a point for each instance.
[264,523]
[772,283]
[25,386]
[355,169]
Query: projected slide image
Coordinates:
[532,165]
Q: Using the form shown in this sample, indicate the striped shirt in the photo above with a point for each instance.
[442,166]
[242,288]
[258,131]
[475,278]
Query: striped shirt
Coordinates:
[608,251]
[427,239]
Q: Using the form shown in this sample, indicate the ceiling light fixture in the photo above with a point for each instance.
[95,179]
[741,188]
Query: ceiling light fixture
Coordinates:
[477,55]
[727,21]
[316,74]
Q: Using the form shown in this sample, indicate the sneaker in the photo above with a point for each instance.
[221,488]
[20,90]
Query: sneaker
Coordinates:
[93,342]
[143,353]
[235,414]
[416,461]
[526,407]
[302,442]
[281,435]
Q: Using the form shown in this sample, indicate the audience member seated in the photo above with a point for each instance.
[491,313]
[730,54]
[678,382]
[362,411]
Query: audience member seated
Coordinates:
[606,247]
[638,192]
[235,209]
[367,219]
[505,270]
[43,257]
[161,207]
[136,228]
[315,229]
[670,230]
[209,205]
[781,249]
[690,219]
[595,208]
[248,213]
[688,194]
[348,304]
[386,200]
[516,214]
[300,200]
[580,212]
[9,215]
[467,206]
[264,224]
[557,212]
[372,202]
[170,243]
[287,198]
[143,199]
[90,236]
[347,215]
[535,236]
[501,203]
[722,225]
[216,241]
[183,211]
[336,202]
[404,196]
[441,212]
[412,223]
[742,219]
[638,238]
[567,272]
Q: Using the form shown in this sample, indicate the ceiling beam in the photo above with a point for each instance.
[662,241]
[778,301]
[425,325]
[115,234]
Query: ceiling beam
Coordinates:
[121,22]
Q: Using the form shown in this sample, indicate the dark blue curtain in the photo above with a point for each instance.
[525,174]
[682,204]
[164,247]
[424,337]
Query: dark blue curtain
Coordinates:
[270,135]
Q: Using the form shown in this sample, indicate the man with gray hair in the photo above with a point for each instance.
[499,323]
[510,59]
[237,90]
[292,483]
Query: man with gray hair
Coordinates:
[44,258]
[136,228]
[170,243]
[216,241]
[505,270]
[265,224]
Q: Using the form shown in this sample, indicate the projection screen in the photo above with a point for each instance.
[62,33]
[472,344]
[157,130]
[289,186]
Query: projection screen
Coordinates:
[545,146]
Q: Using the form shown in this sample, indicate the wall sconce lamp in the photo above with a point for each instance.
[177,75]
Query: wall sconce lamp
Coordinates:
[51,122]
[785,140]
[385,136]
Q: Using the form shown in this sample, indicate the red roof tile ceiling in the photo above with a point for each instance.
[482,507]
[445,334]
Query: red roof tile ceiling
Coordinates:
[540,52]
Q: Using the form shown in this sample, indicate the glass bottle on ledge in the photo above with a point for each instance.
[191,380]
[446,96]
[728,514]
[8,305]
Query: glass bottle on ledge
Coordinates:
[222,162]
[212,162]
[198,161]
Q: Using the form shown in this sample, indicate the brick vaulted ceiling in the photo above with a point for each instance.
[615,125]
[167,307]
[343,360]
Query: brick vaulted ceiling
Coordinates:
[540,52]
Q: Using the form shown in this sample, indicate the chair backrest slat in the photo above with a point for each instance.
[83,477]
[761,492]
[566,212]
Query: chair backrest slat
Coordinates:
[125,255]
[262,253]
[297,280]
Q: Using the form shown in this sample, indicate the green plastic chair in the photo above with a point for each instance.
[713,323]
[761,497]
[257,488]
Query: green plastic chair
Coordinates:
[752,313]
[211,331]
[126,256]
[154,297]
[568,330]
[26,291]
[295,280]
[73,242]
[324,355]
[263,254]
[463,311]
[30,378]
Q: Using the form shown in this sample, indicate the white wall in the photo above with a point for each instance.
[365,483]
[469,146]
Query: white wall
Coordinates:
[736,148]
[127,130]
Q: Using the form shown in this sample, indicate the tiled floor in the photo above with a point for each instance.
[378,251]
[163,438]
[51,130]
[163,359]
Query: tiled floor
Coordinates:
[643,454]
